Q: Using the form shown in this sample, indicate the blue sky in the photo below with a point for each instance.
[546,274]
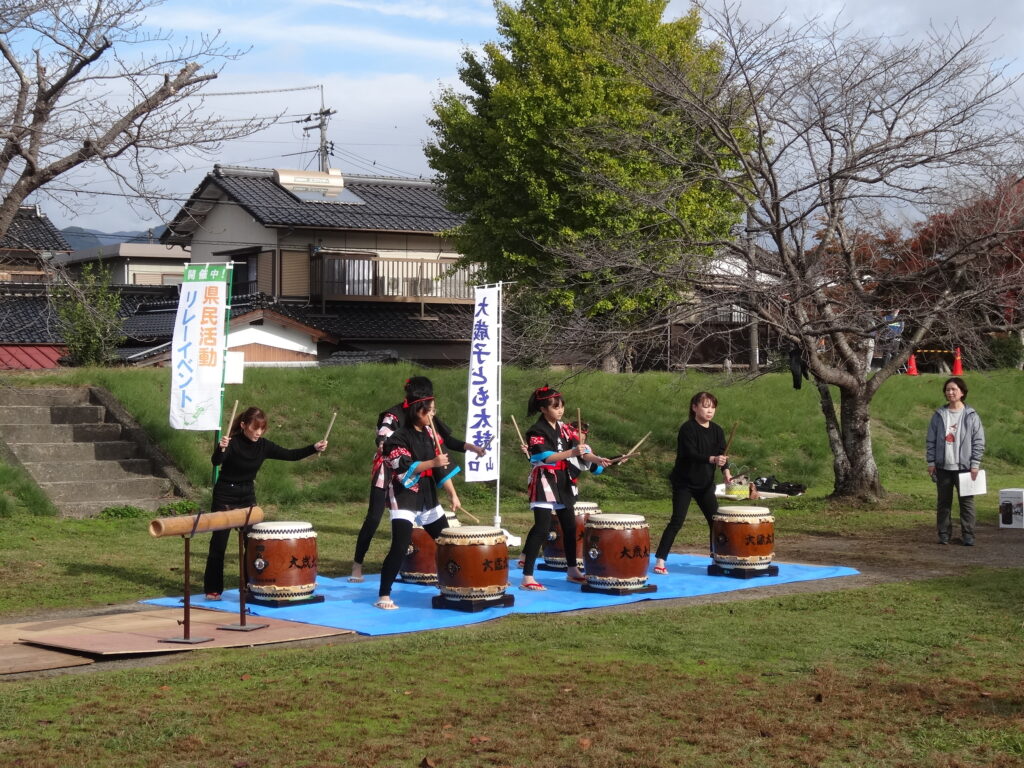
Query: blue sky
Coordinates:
[381,62]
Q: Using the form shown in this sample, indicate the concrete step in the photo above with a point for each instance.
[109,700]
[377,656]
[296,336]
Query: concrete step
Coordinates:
[124,490]
[43,396]
[93,508]
[59,433]
[107,450]
[95,471]
[51,414]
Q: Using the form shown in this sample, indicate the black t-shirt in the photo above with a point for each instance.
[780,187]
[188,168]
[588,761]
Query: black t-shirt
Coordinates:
[695,445]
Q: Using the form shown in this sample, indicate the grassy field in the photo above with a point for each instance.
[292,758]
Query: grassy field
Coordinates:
[923,673]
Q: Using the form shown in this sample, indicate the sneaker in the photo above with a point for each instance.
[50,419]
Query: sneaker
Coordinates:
[968,541]
[212,596]
[944,540]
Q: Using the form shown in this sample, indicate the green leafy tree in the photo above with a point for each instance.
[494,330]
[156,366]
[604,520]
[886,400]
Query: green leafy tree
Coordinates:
[521,152]
[89,313]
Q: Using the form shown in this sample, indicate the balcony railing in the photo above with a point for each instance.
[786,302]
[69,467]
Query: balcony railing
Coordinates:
[340,277]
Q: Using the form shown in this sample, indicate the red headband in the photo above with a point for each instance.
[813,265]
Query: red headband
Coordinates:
[546,393]
[407,403]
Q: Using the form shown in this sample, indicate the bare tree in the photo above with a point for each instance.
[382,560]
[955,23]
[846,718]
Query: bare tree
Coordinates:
[846,150]
[83,86]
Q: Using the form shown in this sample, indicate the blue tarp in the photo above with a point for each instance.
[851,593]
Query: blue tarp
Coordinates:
[350,606]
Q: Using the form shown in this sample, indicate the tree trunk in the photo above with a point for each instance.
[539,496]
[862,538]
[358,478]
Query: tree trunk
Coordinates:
[849,437]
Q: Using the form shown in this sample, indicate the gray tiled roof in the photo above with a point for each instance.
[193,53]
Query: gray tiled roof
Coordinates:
[33,231]
[388,204]
[28,315]
[28,318]
[348,321]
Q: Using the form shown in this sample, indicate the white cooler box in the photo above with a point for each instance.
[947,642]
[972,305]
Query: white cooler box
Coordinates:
[1011,508]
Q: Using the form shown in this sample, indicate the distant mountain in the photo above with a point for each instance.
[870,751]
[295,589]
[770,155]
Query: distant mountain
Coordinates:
[81,239]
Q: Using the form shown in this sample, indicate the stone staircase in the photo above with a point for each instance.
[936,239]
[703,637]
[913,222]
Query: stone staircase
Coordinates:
[85,451]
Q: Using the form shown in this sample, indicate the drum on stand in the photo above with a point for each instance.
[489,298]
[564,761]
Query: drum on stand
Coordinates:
[472,568]
[420,563]
[280,564]
[743,542]
[617,550]
[554,547]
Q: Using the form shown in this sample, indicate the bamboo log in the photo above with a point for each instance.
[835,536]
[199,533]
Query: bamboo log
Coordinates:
[234,410]
[184,525]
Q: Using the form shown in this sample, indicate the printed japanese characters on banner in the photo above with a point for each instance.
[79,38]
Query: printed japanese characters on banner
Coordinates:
[483,422]
[198,347]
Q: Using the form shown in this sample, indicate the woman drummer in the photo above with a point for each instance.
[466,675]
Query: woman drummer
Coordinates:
[700,450]
[240,454]
[556,450]
[417,460]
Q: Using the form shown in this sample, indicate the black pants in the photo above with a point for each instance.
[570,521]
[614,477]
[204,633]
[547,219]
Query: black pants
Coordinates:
[705,498]
[401,538]
[374,513]
[225,496]
[539,534]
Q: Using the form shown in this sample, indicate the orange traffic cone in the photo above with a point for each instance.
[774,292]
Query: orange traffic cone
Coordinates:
[958,366]
[911,366]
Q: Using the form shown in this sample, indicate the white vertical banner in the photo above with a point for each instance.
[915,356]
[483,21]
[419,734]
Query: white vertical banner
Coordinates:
[483,420]
[198,348]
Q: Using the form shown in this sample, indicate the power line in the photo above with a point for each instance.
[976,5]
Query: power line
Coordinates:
[255,93]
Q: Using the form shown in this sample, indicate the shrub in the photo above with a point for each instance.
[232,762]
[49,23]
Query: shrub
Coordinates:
[1005,351]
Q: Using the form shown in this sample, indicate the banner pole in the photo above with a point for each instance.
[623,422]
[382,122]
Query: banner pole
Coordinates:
[224,360]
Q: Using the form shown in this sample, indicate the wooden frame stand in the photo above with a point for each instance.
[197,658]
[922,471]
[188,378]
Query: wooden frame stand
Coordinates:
[619,591]
[742,573]
[472,606]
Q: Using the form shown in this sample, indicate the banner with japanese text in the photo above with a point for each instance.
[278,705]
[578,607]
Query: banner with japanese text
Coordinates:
[483,422]
[198,347]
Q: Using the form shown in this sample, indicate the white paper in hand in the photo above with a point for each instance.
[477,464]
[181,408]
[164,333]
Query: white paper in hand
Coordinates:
[969,487]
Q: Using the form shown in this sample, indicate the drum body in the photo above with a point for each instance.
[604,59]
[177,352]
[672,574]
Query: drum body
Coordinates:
[743,538]
[420,563]
[280,561]
[554,547]
[472,563]
[617,551]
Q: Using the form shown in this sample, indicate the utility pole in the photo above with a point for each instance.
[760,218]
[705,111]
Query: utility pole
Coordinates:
[322,117]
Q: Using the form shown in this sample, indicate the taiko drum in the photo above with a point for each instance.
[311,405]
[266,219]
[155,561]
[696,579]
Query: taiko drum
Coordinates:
[554,547]
[472,563]
[617,551]
[280,561]
[420,563]
[743,538]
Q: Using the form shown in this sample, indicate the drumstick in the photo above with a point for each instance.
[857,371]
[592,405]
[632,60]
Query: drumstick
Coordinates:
[579,425]
[472,517]
[516,425]
[328,433]
[631,452]
[732,434]
[233,411]
[330,426]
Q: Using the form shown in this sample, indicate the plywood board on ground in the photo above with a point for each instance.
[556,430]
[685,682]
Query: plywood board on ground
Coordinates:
[141,632]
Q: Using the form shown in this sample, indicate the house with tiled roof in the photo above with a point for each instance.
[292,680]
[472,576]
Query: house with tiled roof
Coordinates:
[28,245]
[365,259]
[130,263]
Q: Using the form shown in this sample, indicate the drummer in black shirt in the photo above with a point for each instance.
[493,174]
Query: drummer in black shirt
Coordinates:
[240,454]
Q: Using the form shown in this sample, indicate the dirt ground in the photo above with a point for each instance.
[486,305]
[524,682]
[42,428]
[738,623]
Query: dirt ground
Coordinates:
[895,556]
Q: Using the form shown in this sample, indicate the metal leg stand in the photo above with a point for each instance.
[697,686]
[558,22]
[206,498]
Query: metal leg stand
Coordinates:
[187,639]
[243,588]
